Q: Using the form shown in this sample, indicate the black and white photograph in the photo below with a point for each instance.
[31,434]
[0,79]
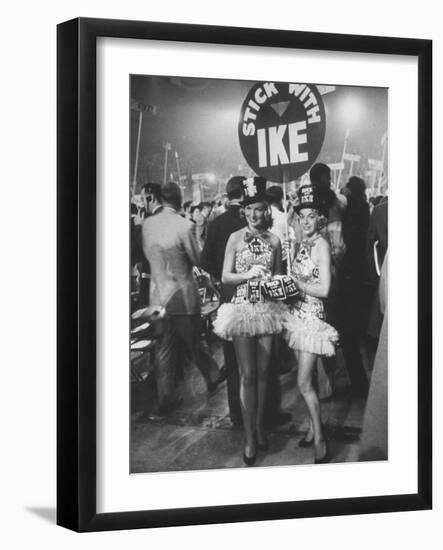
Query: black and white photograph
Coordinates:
[258,273]
[206,340]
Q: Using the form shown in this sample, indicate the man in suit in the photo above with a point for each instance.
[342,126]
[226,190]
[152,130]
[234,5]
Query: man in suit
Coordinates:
[376,248]
[170,246]
[151,197]
[218,233]
[377,233]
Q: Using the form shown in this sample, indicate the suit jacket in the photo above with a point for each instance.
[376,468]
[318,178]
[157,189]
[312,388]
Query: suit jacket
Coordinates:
[213,254]
[378,231]
[355,228]
[170,246]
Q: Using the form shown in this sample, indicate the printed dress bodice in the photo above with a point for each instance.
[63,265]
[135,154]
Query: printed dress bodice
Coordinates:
[249,313]
[254,251]
[303,267]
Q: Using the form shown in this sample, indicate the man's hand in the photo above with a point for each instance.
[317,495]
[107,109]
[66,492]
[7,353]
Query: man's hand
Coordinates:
[138,218]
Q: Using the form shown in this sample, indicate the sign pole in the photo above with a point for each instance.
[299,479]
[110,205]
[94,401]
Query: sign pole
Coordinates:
[178,167]
[281,132]
[285,210]
[141,108]
[137,151]
[343,157]
[382,166]
[167,147]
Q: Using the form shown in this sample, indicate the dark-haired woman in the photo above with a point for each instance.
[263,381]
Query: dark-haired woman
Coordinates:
[306,331]
[252,255]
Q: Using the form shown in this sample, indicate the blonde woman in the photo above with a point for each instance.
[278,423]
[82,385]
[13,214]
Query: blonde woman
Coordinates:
[253,254]
[306,331]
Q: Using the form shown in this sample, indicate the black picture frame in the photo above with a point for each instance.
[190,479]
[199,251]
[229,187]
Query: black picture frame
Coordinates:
[77,248]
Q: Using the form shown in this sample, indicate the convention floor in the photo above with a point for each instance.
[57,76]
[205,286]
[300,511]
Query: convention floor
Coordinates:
[198,435]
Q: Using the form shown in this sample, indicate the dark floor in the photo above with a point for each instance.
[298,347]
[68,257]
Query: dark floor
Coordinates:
[199,434]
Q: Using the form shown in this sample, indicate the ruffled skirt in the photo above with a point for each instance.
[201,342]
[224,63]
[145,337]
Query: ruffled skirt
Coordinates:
[305,331]
[249,319]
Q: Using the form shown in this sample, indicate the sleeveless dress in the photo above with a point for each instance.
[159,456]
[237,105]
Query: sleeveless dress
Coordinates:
[304,327]
[248,313]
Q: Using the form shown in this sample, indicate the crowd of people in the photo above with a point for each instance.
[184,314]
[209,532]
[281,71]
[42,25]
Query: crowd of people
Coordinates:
[296,278]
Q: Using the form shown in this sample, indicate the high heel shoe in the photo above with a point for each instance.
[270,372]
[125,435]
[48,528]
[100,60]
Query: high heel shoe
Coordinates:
[249,460]
[325,459]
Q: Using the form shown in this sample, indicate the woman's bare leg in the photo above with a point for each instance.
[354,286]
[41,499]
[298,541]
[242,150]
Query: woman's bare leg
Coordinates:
[245,350]
[305,371]
[310,432]
[264,348]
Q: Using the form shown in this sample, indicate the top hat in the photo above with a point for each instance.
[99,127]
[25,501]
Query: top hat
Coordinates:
[234,186]
[254,190]
[308,198]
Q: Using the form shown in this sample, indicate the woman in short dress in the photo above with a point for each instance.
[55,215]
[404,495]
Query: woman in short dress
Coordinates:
[305,329]
[253,254]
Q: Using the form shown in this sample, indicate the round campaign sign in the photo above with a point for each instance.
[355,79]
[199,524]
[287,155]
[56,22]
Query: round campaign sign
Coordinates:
[281,129]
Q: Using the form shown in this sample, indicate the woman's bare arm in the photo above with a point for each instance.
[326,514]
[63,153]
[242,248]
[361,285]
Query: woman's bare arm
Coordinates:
[321,255]
[276,246]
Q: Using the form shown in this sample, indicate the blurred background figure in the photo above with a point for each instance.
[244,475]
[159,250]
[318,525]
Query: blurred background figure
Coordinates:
[170,247]
[280,224]
[221,205]
[376,248]
[187,210]
[333,204]
[374,438]
[212,258]
[151,204]
[353,286]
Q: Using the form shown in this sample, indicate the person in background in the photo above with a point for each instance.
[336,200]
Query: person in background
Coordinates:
[282,357]
[294,222]
[195,212]
[334,205]
[377,238]
[136,251]
[374,435]
[353,288]
[376,247]
[150,195]
[170,246]
[219,207]
[212,258]
[206,209]
[187,210]
[200,222]
[280,225]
